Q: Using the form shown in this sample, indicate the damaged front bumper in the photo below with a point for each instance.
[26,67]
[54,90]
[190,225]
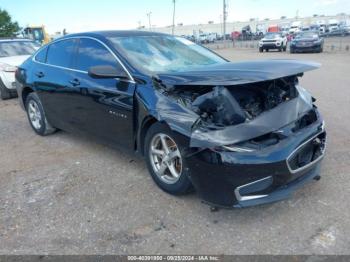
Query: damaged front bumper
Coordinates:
[245,127]
[242,179]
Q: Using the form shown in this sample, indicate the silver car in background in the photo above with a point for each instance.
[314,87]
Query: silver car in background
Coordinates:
[13,52]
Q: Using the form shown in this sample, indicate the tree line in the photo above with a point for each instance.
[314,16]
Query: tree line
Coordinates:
[8,28]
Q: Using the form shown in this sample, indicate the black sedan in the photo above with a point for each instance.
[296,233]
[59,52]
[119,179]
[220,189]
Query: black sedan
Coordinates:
[240,134]
[307,42]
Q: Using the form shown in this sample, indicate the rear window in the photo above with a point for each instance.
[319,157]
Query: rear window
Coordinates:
[61,53]
[41,55]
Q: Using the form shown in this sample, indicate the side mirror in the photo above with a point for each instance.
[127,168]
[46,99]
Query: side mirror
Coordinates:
[107,71]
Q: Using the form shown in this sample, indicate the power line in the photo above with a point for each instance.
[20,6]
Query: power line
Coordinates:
[224,17]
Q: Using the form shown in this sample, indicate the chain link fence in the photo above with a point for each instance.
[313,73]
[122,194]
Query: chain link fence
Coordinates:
[331,44]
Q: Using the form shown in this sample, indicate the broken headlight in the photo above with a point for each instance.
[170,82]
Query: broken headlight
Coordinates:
[253,145]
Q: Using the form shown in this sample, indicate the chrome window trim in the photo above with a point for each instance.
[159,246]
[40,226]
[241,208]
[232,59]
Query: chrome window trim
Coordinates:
[252,197]
[311,163]
[131,79]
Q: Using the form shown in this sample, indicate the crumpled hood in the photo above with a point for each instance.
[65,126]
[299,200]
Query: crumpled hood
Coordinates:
[14,60]
[238,73]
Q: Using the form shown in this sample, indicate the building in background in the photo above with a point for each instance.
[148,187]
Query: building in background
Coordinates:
[255,24]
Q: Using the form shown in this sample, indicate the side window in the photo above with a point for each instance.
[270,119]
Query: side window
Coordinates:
[61,53]
[41,56]
[92,53]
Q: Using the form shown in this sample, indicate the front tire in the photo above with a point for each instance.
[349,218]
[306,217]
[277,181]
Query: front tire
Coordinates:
[36,116]
[165,161]
[261,50]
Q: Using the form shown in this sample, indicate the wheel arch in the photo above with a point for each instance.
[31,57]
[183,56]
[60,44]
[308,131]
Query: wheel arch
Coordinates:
[147,122]
[25,92]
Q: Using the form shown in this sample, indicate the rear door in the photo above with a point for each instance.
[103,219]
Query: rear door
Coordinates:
[102,107]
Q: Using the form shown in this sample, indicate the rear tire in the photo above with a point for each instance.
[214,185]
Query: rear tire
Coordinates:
[267,50]
[168,170]
[36,116]
[4,92]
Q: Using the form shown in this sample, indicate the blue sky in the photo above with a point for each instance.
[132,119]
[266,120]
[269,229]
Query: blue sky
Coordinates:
[85,15]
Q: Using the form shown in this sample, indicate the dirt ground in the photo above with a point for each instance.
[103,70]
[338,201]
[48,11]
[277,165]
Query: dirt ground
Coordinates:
[65,194]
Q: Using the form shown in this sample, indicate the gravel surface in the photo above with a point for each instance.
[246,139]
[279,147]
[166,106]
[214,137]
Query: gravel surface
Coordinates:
[64,194]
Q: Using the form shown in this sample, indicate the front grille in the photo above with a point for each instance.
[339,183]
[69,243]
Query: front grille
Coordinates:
[269,41]
[307,154]
[304,44]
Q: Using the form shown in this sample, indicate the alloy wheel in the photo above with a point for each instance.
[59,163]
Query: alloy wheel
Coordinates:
[165,158]
[34,114]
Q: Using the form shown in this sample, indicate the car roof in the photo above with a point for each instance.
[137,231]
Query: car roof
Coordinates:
[116,33]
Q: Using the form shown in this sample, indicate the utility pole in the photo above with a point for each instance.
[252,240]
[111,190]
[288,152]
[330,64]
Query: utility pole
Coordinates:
[174,2]
[149,20]
[221,22]
[224,18]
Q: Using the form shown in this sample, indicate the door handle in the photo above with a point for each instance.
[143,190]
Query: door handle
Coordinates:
[40,74]
[75,82]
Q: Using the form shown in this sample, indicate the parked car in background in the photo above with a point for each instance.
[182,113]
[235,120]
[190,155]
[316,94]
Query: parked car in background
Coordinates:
[295,27]
[273,41]
[345,27]
[285,29]
[212,37]
[247,33]
[13,52]
[260,30]
[203,38]
[333,26]
[315,27]
[240,134]
[305,28]
[235,35]
[189,37]
[307,42]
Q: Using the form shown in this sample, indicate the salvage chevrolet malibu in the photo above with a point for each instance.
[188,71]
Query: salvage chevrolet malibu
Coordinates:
[240,134]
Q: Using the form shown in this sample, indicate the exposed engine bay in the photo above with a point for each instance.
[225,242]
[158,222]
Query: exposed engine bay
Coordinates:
[220,106]
[232,103]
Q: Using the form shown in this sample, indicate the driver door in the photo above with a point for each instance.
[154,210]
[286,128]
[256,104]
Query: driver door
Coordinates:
[102,107]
